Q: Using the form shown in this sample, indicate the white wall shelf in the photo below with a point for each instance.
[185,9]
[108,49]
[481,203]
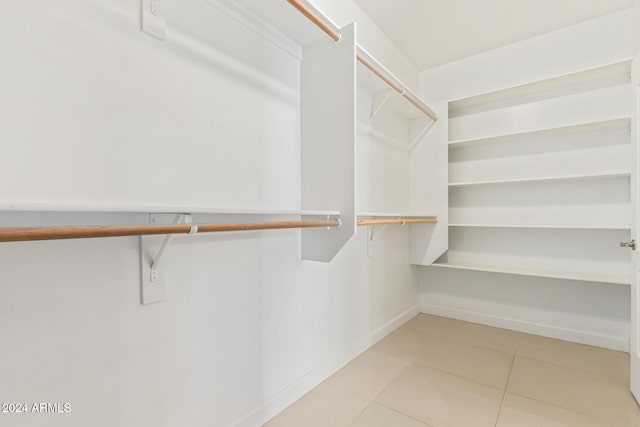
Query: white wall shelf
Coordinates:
[596,105]
[599,278]
[199,209]
[546,226]
[542,179]
[560,130]
[580,81]
[395,215]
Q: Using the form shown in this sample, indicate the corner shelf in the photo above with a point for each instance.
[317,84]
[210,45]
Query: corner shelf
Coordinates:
[584,277]
[542,179]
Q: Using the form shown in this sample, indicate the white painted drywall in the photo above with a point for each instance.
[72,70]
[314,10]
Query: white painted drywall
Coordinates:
[636,26]
[604,40]
[95,111]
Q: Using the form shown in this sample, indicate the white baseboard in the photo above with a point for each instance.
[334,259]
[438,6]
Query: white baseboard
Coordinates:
[302,386]
[582,337]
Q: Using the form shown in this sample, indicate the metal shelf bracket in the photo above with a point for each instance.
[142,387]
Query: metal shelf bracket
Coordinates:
[379,99]
[422,132]
[371,237]
[153,286]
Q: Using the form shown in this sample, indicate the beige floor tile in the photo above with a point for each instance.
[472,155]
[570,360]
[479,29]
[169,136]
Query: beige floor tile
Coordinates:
[324,406]
[572,389]
[441,399]
[520,411]
[379,416]
[403,343]
[368,374]
[596,361]
[470,333]
[622,363]
[630,419]
[479,364]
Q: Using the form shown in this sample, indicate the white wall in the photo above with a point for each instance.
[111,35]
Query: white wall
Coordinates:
[597,314]
[94,111]
[371,38]
[636,26]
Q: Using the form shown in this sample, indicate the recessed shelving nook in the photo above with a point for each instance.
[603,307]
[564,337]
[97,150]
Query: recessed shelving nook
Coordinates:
[540,178]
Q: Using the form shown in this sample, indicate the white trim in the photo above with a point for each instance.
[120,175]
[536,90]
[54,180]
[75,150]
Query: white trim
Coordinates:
[543,179]
[553,274]
[545,226]
[286,397]
[566,334]
[132,208]
[572,128]
[397,214]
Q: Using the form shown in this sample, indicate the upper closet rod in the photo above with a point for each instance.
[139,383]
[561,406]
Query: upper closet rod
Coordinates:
[365,59]
[24,234]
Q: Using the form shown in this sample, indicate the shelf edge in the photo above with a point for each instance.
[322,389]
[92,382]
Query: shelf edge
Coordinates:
[582,277]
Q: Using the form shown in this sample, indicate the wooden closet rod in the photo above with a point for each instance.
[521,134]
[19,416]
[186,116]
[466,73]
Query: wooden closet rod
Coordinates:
[400,221]
[366,59]
[313,17]
[24,234]
[379,70]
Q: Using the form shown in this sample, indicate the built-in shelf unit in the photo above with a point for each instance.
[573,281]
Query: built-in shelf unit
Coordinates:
[540,176]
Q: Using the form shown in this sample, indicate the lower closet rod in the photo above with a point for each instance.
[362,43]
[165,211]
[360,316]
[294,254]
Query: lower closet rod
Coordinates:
[24,234]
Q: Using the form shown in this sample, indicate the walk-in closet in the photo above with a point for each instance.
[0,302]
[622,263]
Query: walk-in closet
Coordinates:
[331,213]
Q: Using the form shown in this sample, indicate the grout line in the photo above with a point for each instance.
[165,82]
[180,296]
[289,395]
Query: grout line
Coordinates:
[556,404]
[406,415]
[504,393]
[373,400]
[361,412]
[587,372]
[339,387]
[453,340]
[353,394]
[442,371]
[565,408]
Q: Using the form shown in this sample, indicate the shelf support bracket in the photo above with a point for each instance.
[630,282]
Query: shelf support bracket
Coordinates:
[379,99]
[153,287]
[153,22]
[371,237]
[421,134]
[180,219]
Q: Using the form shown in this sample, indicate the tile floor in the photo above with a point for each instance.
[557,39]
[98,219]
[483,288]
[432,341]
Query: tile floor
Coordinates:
[439,372]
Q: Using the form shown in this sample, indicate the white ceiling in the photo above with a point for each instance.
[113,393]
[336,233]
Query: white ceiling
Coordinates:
[434,32]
